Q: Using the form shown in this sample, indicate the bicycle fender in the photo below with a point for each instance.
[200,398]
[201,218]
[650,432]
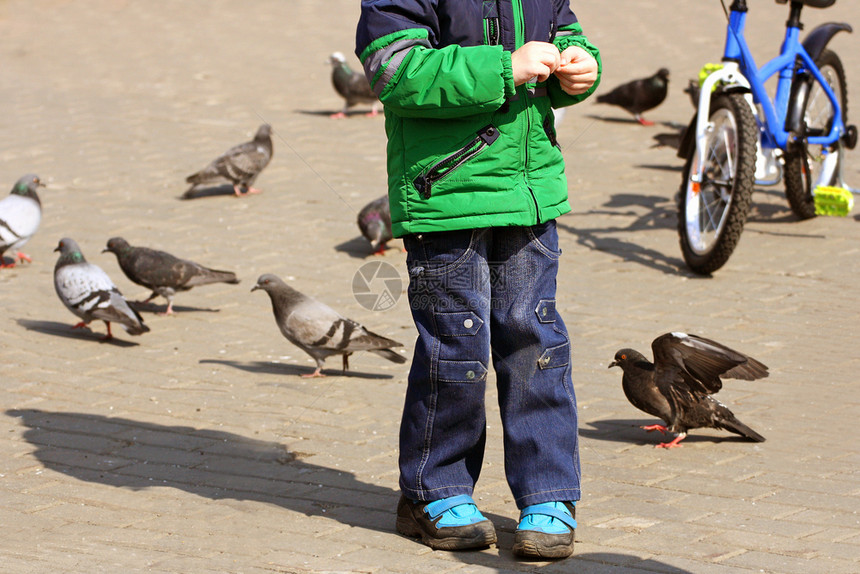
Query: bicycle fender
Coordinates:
[817,40]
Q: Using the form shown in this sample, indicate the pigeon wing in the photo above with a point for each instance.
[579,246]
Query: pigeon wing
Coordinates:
[317,326]
[699,363]
[90,294]
[19,219]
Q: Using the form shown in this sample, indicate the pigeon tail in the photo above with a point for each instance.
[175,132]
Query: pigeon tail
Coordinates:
[138,329]
[737,427]
[214,276]
[390,355]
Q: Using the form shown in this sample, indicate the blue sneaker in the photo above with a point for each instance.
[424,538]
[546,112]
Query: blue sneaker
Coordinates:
[546,530]
[452,523]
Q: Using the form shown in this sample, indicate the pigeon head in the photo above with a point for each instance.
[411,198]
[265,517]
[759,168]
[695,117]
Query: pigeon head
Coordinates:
[336,59]
[663,73]
[27,185]
[69,251]
[264,132]
[626,358]
[116,245]
[268,282]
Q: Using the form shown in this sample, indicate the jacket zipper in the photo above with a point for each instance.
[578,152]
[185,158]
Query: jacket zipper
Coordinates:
[444,167]
[492,33]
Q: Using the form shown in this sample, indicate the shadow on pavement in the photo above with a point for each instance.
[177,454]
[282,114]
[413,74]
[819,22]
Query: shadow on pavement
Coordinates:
[269,368]
[627,430]
[659,215]
[219,465]
[84,333]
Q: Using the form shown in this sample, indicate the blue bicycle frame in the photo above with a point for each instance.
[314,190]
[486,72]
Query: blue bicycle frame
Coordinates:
[773,132]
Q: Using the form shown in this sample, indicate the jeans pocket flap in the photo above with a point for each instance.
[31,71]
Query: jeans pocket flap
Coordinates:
[557,356]
[462,371]
[460,324]
[545,311]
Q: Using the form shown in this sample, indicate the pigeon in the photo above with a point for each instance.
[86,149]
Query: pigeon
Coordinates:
[374,221]
[678,386]
[240,165]
[640,95]
[89,293]
[20,216]
[352,87]
[162,272]
[319,330]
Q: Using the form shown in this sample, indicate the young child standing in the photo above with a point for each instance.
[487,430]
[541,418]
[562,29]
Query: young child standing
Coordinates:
[476,180]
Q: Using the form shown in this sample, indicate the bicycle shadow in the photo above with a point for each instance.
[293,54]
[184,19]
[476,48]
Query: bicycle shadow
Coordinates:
[218,465]
[659,215]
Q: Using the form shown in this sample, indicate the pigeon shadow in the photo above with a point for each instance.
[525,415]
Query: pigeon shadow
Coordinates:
[357,247]
[660,215]
[143,307]
[67,331]
[209,191]
[269,368]
[360,248]
[628,431]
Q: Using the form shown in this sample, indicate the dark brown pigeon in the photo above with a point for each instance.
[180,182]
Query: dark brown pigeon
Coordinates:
[374,221]
[639,96]
[319,330]
[678,385]
[240,165]
[162,272]
[351,86]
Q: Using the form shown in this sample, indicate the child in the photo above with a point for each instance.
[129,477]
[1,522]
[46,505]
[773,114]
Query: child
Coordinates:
[476,180]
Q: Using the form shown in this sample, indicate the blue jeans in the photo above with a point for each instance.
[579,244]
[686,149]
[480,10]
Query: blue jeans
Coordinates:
[475,293]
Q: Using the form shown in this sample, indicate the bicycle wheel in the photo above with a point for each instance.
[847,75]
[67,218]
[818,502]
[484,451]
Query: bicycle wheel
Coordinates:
[712,213]
[808,166]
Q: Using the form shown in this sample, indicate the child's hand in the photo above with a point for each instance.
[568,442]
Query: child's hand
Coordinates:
[577,71]
[535,60]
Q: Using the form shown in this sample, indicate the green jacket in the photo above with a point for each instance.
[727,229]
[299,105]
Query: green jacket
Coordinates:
[467,149]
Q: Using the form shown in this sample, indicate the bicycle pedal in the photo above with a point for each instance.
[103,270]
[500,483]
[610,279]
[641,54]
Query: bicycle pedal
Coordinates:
[836,201]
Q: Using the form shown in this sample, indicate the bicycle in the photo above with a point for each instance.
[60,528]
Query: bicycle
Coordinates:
[740,137]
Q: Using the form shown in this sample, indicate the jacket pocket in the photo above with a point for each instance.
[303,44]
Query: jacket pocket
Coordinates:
[447,165]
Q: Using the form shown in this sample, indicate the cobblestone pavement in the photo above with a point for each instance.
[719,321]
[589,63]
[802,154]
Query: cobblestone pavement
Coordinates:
[198,448]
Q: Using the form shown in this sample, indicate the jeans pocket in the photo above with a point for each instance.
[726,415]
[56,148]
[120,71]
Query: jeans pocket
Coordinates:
[461,371]
[436,253]
[544,237]
[553,357]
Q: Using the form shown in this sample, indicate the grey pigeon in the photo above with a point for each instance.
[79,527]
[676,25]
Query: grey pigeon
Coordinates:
[678,385]
[639,96]
[20,216]
[89,293]
[351,86]
[319,330]
[240,165]
[162,272]
[374,221]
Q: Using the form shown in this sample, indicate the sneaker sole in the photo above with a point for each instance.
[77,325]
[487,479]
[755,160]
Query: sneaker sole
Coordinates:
[534,548]
[407,527]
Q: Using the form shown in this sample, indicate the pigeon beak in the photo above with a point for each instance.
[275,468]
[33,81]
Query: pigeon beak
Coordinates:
[255,287]
[613,364]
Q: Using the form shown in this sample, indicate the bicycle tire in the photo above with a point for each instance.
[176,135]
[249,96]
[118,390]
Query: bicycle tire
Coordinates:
[800,159]
[707,244]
